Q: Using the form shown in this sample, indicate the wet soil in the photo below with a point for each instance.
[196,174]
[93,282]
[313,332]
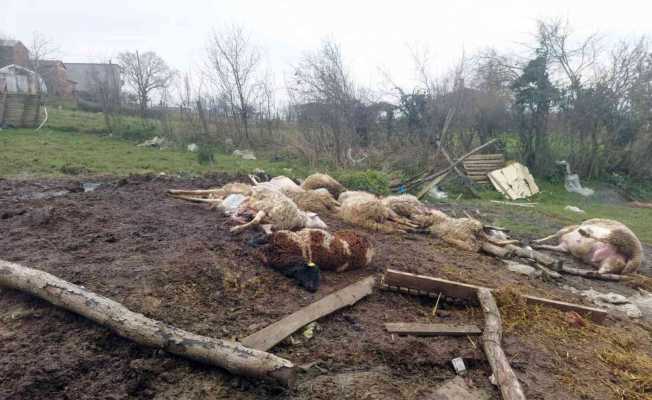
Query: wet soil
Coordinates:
[176,262]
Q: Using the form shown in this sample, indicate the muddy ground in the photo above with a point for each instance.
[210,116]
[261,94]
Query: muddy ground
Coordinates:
[176,262]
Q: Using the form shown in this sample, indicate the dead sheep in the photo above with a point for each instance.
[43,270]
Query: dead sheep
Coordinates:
[318,201]
[408,206]
[271,207]
[317,181]
[303,254]
[217,193]
[368,211]
[606,244]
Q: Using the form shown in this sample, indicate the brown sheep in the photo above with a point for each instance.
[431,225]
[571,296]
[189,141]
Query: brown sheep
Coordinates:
[303,254]
[316,181]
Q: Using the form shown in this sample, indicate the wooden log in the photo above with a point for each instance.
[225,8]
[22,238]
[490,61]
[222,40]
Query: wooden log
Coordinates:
[506,379]
[465,179]
[273,334]
[592,274]
[543,259]
[432,286]
[419,329]
[229,355]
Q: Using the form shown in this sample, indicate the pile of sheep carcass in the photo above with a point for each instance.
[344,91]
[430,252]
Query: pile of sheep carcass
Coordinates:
[297,241]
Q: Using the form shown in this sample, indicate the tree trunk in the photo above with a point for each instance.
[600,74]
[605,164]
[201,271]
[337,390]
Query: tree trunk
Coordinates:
[229,355]
[510,388]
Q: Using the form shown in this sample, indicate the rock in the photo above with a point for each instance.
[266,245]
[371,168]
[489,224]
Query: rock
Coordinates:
[192,147]
[244,154]
[574,209]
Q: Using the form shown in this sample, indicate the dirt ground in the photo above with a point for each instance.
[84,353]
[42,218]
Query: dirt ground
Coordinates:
[176,262]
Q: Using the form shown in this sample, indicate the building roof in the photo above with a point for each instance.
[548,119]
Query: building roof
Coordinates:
[20,80]
[9,42]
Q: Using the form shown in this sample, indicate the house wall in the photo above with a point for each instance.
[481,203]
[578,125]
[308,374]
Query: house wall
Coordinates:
[88,76]
[14,54]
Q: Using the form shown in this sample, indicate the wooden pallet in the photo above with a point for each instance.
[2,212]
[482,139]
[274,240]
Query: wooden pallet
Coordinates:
[478,166]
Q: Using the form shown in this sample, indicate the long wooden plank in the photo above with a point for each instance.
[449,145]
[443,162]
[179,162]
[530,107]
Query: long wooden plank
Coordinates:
[420,329]
[273,334]
[486,157]
[468,292]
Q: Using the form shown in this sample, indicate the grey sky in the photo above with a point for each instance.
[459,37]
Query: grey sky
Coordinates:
[373,34]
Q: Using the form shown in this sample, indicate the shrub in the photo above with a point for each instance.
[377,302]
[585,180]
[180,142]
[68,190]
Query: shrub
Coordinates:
[370,181]
[205,155]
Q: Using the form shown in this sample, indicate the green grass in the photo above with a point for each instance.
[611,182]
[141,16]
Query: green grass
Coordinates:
[549,213]
[51,153]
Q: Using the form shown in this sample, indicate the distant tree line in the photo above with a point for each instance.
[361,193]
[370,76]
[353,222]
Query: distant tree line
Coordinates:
[584,99]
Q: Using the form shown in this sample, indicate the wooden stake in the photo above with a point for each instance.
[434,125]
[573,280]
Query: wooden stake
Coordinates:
[229,355]
[506,380]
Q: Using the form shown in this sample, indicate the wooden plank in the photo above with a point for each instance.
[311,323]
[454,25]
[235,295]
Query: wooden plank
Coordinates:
[431,285]
[595,314]
[486,157]
[419,329]
[468,292]
[273,334]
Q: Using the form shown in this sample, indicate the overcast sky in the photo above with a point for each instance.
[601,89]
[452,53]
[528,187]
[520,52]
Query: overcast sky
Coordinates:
[373,35]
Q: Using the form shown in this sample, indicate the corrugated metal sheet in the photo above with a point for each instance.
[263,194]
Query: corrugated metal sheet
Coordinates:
[20,80]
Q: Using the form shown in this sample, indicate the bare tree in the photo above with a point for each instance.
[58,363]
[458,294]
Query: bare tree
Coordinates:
[323,89]
[40,48]
[233,62]
[145,72]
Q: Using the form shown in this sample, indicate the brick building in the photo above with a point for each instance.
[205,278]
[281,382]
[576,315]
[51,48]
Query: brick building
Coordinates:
[13,52]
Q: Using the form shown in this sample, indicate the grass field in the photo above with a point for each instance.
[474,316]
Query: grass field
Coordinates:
[25,153]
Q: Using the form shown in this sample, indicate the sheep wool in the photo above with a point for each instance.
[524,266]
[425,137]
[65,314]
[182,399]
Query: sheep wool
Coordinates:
[316,181]
[313,200]
[341,251]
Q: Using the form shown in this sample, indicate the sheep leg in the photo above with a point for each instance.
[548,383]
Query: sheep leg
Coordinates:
[560,248]
[256,221]
[196,199]
[557,235]
[497,242]
[267,228]
[400,220]
[201,192]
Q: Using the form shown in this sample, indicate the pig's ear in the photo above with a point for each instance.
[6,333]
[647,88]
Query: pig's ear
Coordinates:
[584,232]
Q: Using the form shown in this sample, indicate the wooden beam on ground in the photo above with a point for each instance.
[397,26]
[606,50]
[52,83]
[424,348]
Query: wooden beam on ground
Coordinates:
[421,284]
[227,354]
[419,329]
[592,274]
[273,334]
[506,379]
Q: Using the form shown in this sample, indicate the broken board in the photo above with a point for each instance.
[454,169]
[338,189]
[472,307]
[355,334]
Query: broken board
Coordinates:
[273,334]
[514,181]
[431,286]
[420,329]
